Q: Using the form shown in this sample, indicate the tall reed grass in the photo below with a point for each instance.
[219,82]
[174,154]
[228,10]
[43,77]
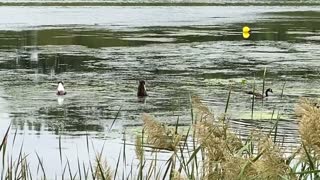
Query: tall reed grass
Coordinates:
[208,149]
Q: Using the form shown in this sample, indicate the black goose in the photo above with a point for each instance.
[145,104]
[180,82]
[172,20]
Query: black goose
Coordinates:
[258,95]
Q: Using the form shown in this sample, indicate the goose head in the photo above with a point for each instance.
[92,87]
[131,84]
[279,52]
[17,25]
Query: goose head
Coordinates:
[268,90]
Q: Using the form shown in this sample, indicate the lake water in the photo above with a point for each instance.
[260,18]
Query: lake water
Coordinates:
[101,52]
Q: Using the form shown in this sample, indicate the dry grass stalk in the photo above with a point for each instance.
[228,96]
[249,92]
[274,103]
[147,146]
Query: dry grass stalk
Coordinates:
[234,164]
[139,148]
[221,147]
[178,176]
[213,134]
[159,135]
[202,111]
[102,167]
[218,143]
[307,106]
[271,165]
[309,124]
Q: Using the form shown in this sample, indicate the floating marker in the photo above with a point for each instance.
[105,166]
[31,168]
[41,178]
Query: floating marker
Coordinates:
[246,35]
[246,29]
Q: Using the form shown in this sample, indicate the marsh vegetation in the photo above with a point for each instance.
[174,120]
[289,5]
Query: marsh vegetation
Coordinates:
[207,149]
[98,129]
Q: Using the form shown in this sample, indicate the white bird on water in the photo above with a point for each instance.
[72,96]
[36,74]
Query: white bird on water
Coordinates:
[60,89]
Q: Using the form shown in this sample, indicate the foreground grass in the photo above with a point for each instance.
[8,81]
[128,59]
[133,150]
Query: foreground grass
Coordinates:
[209,149]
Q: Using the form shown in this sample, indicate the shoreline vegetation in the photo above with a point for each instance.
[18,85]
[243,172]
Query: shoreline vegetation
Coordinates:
[99,3]
[208,149]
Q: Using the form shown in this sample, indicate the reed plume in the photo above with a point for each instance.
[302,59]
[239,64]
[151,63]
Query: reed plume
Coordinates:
[159,135]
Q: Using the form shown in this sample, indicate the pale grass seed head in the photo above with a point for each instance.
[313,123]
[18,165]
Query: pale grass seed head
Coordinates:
[234,164]
[101,166]
[159,135]
[309,124]
[201,111]
[271,164]
[214,136]
[178,176]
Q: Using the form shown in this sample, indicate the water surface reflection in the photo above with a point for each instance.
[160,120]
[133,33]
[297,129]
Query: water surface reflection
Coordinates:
[179,56]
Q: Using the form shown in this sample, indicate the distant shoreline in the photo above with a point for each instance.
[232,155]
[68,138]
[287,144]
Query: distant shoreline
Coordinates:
[156,4]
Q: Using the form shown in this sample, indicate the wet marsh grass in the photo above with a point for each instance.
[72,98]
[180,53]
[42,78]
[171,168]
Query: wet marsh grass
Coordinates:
[208,149]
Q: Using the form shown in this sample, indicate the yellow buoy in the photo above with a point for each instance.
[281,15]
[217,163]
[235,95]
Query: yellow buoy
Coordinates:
[246,35]
[246,29]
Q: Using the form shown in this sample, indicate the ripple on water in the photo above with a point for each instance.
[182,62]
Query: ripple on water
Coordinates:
[178,57]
